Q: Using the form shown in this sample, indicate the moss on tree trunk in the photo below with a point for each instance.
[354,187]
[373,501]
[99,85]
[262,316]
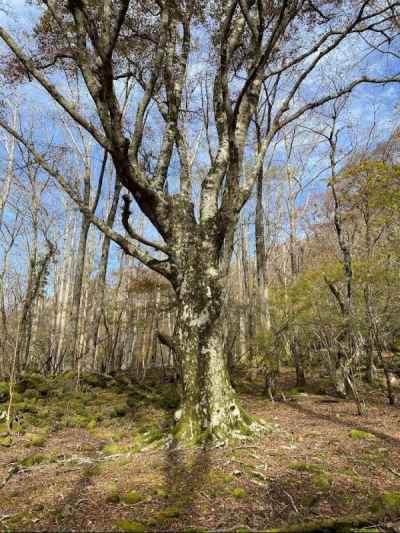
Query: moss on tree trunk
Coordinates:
[210,409]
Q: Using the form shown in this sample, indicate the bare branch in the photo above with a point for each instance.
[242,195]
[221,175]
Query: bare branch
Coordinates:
[128,247]
[126,213]
[53,92]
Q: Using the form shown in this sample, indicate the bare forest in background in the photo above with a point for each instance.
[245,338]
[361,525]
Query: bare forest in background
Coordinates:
[67,303]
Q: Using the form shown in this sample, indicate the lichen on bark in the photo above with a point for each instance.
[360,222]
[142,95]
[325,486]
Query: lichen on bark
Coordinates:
[210,410]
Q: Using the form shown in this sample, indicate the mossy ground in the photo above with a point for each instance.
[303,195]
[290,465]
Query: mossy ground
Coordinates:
[94,458]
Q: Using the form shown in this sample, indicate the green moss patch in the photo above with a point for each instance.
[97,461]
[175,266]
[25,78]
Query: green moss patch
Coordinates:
[115,449]
[309,500]
[147,435]
[391,501]
[294,391]
[77,421]
[31,394]
[6,441]
[358,434]
[132,497]
[25,407]
[40,458]
[322,481]
[168,513]
[117,437]
[4,391]
[161,492]
[305,467]
[169,398]
[92,424]
[36,439]
[95,380]
[34,381]
[113,497]
[219,478]
[34,459]
[238,493]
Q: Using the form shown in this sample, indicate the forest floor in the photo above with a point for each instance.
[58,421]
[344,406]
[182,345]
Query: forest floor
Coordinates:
[89,461]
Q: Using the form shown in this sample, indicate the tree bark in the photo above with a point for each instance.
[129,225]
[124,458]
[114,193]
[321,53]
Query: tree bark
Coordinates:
[77,291]
[298,363]
[209,407]
[83,236]
[263,312]
[247,297]
[102,274]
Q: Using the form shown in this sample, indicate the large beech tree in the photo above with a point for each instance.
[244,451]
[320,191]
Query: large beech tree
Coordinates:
[245,56]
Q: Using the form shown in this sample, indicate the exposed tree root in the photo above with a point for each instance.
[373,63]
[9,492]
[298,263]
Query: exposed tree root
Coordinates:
[225,426]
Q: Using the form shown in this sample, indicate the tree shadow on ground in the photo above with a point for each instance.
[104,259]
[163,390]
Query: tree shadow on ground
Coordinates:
[65,513]
[348,424]
[186,474]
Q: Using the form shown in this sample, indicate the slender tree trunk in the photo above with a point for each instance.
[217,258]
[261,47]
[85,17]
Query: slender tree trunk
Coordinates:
[37,272]
[294,341]
[249,308]
[298,363]
[102,274]
[264,323]
[65,290]
[347,347]
[24,344]
[371,372]
[77,290]
[80,265]
[5,337]
[6,186]
[391,396]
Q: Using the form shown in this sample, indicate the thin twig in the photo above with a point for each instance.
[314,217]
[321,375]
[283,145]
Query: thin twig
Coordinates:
[291,501]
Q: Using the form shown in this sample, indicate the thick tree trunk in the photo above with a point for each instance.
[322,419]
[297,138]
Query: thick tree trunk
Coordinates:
[209,407]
